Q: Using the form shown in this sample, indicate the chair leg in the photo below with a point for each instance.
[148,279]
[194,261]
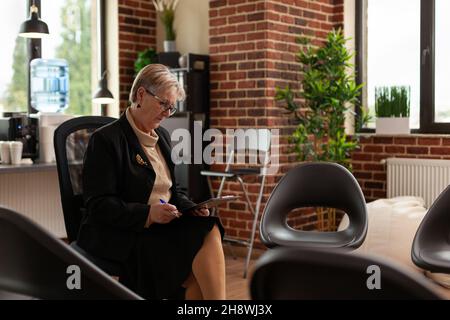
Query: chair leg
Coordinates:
[214,211]
[255,222]
[255,213]
[211,192]
[222,184]
[250,248]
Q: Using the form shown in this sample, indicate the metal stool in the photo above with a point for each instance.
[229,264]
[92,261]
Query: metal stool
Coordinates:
[258,145]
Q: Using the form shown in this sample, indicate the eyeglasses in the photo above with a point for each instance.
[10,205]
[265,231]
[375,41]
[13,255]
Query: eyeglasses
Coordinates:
[164,104]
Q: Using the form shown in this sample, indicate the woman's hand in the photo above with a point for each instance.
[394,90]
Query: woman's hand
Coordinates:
[202,212]
[163,213]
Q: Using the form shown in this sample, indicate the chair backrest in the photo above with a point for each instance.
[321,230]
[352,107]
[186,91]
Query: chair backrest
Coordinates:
[318,184]
[36,264]
[431,245]
[296,274]
[253,143]
[70,142]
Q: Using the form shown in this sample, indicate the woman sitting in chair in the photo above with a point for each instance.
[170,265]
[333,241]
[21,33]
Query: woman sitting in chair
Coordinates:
[133,204]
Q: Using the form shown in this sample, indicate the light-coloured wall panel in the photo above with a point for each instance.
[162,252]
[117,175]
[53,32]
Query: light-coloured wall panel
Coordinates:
[36,195]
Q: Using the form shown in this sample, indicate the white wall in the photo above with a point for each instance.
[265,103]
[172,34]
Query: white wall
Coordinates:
[349,32]
[191,27]
[349,23]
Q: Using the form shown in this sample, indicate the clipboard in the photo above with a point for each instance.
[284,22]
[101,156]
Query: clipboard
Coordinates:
[211,203]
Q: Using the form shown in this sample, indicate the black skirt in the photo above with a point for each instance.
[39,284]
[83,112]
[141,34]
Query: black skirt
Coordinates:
[161,260]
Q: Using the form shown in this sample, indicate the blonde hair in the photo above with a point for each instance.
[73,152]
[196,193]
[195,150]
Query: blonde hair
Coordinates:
[158,79]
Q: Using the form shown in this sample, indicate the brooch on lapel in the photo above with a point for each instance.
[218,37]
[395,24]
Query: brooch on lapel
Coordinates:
[140,160]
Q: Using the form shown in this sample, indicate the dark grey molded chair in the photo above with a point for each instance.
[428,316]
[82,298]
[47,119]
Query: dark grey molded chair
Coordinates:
[318,184]
[35,264]
[298,273]
[431,245]
[70,141]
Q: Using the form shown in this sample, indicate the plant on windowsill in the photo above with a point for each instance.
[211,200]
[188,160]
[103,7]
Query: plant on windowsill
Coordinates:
[166,12]
[329,92]
[392,109]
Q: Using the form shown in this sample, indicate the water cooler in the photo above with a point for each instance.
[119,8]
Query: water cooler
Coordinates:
[49,90]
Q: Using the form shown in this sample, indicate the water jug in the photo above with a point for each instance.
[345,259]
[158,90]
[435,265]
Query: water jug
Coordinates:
[49,84]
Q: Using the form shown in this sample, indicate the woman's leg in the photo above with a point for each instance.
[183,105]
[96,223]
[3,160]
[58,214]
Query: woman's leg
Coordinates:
[208,267]
[193,291]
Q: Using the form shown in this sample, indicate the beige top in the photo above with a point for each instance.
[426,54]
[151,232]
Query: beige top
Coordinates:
[163,181]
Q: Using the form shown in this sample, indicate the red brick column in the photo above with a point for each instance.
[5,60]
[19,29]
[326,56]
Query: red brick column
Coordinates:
[253,48]
[137,31]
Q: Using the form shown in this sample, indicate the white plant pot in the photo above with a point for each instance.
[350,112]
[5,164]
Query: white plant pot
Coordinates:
[392,126]
[169,46]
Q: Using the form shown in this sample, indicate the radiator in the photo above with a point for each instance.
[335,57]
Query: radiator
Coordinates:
[34,194]
[425,178]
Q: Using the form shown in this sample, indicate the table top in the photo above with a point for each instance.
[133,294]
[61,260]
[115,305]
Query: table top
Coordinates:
[27,166]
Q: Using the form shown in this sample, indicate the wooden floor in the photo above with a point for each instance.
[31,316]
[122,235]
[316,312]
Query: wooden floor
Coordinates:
[238,287]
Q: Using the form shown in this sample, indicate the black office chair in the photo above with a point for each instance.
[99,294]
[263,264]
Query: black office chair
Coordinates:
[70,141]
[431,245]
[35,264]
[298,273]
[318,184]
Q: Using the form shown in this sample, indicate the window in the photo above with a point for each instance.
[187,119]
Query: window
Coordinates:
[71,24]
[405,43]
[442,62]
[13,55]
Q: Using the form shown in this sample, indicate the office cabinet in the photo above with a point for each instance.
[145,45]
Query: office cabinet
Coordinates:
[195,80]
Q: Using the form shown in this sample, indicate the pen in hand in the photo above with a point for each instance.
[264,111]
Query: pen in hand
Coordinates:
[172,212]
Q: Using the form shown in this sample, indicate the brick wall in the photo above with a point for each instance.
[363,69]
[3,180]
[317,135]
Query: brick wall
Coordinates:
[252,48]
[137,31]
[371,174]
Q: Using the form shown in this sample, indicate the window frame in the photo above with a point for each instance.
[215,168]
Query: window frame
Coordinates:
[34,51]
[427,67]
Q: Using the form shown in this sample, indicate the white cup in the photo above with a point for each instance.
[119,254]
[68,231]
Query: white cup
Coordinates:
[46,149]
[4,150]
[47,153]
[16,148]
[46,134]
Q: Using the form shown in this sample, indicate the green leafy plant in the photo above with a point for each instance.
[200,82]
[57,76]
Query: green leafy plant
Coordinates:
[144,58]
[392,102]
[166,11]
[329,91]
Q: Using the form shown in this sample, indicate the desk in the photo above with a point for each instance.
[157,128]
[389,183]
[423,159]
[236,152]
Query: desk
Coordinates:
[33,190]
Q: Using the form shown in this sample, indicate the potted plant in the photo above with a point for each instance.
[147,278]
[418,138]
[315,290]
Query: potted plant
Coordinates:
[329,92]
[145,57]
[392,109]
[166,12]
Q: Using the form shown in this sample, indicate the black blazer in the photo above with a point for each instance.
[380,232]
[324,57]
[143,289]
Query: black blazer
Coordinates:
[116,188]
